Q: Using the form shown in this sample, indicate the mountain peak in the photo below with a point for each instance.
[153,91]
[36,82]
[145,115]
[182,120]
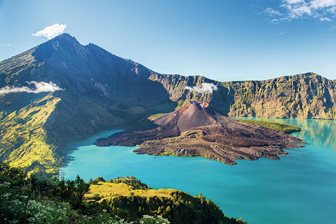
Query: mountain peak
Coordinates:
[64,37]
[61,47]
[64,40]
[192,115]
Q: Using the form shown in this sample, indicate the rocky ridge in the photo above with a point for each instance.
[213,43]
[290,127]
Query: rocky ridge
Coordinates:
[300,96]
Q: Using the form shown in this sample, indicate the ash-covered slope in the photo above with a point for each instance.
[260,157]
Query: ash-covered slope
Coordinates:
[189,117]
[198,130]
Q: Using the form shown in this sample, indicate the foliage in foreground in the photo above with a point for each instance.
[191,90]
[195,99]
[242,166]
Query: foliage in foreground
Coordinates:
[41,199]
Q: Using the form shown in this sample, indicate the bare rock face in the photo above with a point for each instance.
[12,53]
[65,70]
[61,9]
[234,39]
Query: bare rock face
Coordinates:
[306,95]
[198,130]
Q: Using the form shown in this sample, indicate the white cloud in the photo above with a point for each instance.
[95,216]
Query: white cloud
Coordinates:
[272,12]
[300,11]
[322,3]
[38,87]
[203,88]
[324,10]
[294,1]
[325,19]
[51,31]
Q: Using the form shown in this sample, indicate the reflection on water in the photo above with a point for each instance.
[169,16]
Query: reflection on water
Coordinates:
[317,132]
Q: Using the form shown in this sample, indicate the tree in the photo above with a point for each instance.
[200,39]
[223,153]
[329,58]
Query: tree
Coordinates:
[80,188]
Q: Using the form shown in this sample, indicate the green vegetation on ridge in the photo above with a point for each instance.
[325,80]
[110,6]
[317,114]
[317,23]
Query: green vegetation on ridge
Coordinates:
[286,128]
[24,139]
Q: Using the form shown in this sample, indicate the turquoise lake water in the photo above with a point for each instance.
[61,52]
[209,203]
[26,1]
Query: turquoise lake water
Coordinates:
[298,189]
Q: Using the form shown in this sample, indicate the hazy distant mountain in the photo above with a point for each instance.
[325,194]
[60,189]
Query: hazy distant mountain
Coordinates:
[61,91]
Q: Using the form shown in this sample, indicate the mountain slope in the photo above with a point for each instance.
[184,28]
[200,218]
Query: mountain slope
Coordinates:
[301,96]
[97,90]
[23,138]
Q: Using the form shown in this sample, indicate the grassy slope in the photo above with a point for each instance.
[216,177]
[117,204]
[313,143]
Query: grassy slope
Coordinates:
[274,125]
[128,197]
[108,190]
[23,138]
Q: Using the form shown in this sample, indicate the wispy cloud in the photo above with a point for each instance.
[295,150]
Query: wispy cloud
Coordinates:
[323,10]
[51,31]
[203,88]
[272,12]
[325,19]
[34,87]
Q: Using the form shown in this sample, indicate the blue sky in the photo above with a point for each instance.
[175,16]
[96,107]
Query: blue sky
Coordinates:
[223,40]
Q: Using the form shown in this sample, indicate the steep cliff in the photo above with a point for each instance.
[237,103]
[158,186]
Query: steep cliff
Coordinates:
[300,96]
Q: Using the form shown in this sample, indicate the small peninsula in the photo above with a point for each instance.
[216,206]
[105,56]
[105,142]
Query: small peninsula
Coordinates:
[196,129]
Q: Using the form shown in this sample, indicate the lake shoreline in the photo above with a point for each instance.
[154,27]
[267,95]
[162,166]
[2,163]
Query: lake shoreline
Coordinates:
[258,190]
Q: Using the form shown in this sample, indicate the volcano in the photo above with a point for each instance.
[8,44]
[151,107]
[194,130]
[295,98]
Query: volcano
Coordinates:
[196,129]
